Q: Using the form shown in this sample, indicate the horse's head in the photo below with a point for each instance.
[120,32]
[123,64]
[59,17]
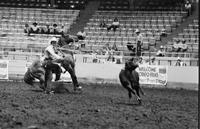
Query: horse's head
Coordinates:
[66,39]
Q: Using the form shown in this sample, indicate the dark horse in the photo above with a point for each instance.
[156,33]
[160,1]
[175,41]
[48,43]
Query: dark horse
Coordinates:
[66,40]
[43,72]
[129,79]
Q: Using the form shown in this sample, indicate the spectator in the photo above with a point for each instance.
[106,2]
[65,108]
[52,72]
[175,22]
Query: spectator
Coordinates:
[46,30]
[114,25]
[179,62]
[62,30]
[54,29]
[161,51]
[153,61]
[139,42]
[102,24]
[176,46]
[27,29]
[183,46]
[34,28]
[141,61]
[163,32]
[81,35]
[188,7]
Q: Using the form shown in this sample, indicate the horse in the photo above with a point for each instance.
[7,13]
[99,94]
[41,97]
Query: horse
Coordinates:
[43,71]
[129,79]
[65,40]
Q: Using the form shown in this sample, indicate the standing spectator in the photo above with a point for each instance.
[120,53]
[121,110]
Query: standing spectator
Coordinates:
[188,7]
[46,30]
[27,29]
[34,28]
[139,42]
[114,25]
[81,35]
[161,51]
[179,62]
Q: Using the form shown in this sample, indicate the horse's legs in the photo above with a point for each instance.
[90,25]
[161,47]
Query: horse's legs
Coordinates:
[58,73]
[48,78]
[137,89]
[142,92]
[71,71]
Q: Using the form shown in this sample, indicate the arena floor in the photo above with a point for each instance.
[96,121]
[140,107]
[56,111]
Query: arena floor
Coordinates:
[97,107]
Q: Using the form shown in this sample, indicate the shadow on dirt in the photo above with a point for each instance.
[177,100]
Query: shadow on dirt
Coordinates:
[128,104]
[57,91]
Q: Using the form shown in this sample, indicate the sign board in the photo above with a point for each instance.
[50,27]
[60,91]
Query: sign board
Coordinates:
[4,69]
[152,74]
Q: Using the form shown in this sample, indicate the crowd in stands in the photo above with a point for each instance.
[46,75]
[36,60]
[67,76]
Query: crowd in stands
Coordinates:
[35,29]
[180,46]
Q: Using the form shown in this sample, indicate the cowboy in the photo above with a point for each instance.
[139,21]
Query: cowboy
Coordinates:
[52,56]
[51,52]
[139,41]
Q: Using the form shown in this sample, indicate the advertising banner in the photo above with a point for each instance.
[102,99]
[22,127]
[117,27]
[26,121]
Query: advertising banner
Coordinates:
[4,69]
[153,74]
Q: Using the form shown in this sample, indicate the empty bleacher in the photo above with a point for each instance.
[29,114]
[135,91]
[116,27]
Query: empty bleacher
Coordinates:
[59,4]
[150,24]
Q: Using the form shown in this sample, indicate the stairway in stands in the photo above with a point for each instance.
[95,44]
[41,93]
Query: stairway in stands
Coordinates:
[84,17]
[180,28]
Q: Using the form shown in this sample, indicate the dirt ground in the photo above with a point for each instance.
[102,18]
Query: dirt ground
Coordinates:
[97,107]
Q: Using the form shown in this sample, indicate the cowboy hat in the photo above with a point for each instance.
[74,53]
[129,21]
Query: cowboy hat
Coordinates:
[137,31]
[54,39]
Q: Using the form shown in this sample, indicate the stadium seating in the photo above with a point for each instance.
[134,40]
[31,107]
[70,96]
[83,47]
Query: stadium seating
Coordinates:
[191,35]
[59,4]
[114,5]
[150,23]
[14,20]
[158,5]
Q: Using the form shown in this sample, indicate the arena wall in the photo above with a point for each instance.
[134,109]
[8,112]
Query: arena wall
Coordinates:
[178,77]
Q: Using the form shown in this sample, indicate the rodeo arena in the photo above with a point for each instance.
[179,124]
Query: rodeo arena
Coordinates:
[99,64]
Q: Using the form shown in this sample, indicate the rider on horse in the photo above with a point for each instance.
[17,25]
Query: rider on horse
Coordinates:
[129,78]
[51,56]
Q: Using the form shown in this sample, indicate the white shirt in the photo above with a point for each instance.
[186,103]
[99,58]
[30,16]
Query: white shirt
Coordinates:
[83,34]
[187,6]
[139,38]
[50,53]
[34,28]
[115,23]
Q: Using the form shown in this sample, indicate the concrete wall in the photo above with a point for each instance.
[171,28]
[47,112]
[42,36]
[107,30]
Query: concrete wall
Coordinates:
[178,77]
[181,77]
